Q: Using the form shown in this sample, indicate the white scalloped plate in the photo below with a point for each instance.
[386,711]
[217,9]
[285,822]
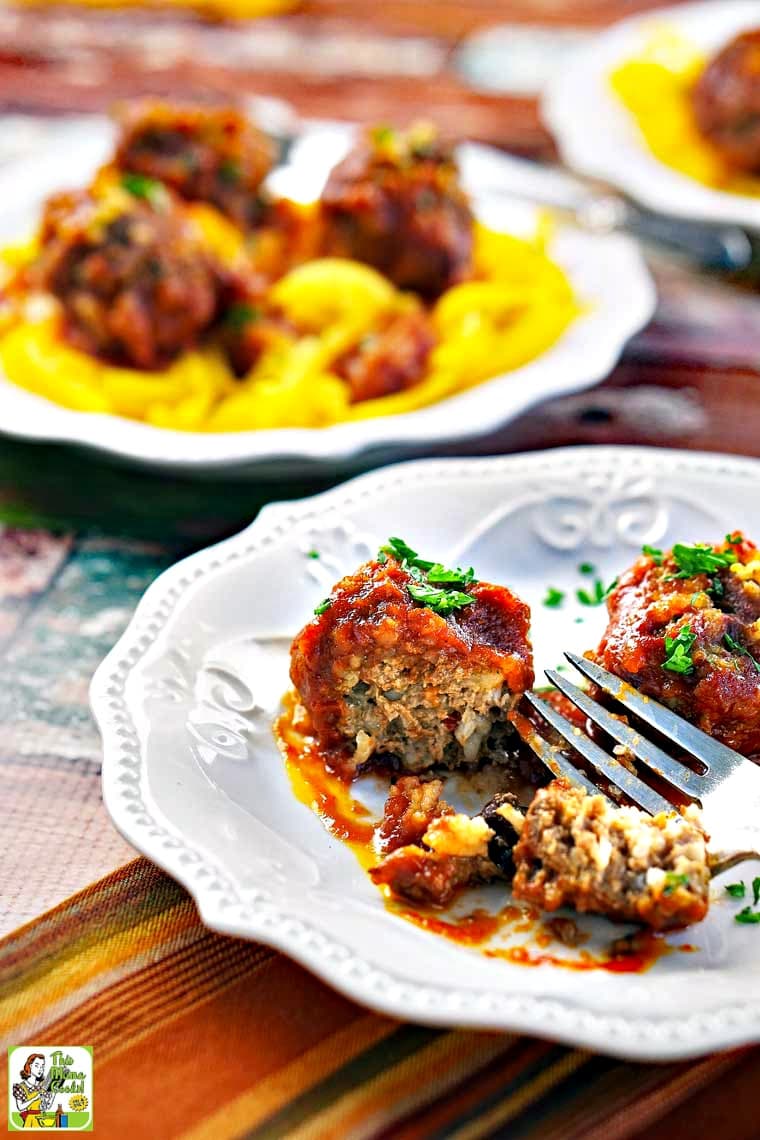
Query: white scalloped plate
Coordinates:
[598,137]
[192,777]
[608,274]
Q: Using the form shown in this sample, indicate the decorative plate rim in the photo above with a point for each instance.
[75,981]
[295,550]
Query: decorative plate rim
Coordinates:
[628,164]
[223,906]
[564,368]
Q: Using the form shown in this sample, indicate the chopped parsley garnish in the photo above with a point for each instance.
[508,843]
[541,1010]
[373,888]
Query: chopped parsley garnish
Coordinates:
[383,136]
[700,559]
[734,539]
[397,548]
[141,186]
[229,171]
[747,915]
[735,647]
[312,554]
[674,881]
[553,597]
[597,595]
[737,890]
[323,606]
[587,568]
[440,576]
[241,314]
[678,651]
[756,891]
[442,601]
[434,584]
[654,553]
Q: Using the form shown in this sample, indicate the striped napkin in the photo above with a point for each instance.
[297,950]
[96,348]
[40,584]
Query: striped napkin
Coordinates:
[204,1037]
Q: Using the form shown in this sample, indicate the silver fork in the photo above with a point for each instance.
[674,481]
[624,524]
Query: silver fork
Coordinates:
[728,790]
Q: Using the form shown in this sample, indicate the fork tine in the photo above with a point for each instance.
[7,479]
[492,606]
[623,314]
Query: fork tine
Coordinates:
[641,794]
[677,774]
[555,760]
[717,757]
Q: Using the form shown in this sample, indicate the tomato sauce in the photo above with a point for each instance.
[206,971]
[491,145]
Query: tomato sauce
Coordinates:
[327,792]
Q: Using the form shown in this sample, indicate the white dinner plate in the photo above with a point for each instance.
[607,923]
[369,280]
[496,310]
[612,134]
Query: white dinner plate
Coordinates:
[192,776]
[607,273]
[597,136]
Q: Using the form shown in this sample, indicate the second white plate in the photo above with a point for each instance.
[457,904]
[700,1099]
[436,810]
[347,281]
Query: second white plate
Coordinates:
[608,274]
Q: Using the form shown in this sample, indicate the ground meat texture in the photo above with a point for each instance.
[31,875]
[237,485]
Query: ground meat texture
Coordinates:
[726,101]
[721,692]
[390,360]
[410,808]
[135,286]
[580,851]
[387,678]
[205,154]
[395,203]
[422,876]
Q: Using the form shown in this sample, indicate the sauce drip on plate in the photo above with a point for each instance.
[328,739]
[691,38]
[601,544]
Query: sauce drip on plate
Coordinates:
[326,791]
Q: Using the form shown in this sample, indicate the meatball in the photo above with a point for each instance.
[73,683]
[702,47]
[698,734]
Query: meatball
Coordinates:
[684,627]
[135,286]
[390,360]
[579,850]
[205,154]
[398,667]
[726,101]
[395,202]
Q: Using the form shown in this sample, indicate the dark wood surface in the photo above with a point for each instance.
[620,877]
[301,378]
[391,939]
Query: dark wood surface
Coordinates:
[691,379]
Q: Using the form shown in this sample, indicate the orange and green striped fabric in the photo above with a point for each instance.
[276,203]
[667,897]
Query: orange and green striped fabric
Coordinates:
[204,1037]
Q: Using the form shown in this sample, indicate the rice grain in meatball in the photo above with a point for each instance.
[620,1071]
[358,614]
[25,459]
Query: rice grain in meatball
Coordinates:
[384,674]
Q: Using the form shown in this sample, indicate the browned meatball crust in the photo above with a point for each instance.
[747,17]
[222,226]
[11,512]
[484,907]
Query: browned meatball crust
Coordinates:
[384,675]
[135,286]
[726,101]
[581,851]
[390,360]
[714,678]
[205,154]
[395,203]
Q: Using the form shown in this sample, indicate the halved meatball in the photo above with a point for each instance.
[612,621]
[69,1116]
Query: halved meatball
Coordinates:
[690,637]
[726,101]
[398,669]
[579,850]
[205,154]
[134,283]
[395,202]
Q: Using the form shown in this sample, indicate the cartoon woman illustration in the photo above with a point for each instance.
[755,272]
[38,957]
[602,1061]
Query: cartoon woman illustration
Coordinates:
[32,1094]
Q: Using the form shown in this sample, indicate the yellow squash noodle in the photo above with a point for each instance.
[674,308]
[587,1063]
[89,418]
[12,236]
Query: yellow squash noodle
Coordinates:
[517,306]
